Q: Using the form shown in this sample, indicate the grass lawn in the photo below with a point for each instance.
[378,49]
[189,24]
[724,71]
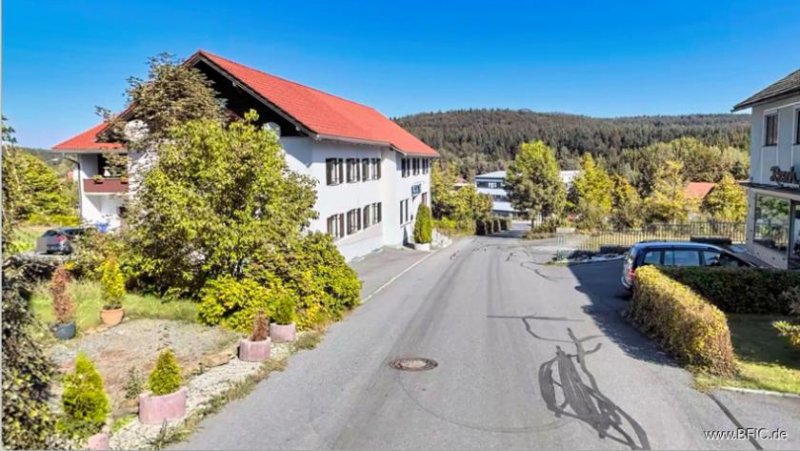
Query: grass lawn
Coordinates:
[88,300]
[766,360]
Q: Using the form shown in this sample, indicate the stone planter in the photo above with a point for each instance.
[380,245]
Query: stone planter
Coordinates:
[112,317]
[255,351]
[157,409]
[65,331]
[422,246]
[99,441]
[282,333]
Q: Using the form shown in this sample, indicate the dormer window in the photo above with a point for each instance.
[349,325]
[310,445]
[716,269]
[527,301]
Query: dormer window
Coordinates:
[771,129]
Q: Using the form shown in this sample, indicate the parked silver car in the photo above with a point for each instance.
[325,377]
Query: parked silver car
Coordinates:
[58,241]
[676,253]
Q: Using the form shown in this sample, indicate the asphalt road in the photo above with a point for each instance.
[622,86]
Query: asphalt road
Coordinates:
[530,356]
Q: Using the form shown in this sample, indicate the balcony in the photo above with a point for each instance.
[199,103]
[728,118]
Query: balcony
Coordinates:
[106,185]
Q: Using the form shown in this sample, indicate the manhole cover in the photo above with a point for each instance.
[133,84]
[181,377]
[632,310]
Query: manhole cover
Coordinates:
[413,364]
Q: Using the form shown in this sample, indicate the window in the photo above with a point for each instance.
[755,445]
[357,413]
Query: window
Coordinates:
[797,126]
[353,221]
[404,167]
[771,129]
[336,226]
[415,165]
[424,198]
[494,184]
[426,166]
[375,170]
[333,171]
[771,222]
[404,216]
[353,173]
[652,258]
[365,170]
[681,257]
[375,210]
[366,217]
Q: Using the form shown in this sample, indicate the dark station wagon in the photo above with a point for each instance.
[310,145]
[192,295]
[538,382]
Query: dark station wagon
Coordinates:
[676,253]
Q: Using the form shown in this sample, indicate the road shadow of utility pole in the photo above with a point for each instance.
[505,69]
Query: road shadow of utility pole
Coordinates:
[582,399]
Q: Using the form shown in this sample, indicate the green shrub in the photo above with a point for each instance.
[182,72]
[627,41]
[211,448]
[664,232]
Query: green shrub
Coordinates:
[497,225]
[92,249]
[85,402]
[790,331]
[112,284]
[232,303]
[451,227]
[166,376]
[423,229]
[26,370]
[135,384]
[687,326]
[283,309]
[53,219]
[740,290]
[260,327]
[324,287]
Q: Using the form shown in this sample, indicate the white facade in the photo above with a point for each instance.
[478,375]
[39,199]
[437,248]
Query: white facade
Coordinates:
[102,201]
[773,220]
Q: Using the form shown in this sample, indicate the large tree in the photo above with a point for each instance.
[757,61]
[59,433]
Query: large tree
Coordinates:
[727,202]
[591,190]
[533,181]
[668,202]
[626,211]
[217,198]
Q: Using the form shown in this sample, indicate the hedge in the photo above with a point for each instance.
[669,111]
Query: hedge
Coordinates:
[480,227]
[694,331]
[740,290]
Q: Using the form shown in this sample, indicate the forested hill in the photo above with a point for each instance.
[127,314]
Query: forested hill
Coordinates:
[486,139]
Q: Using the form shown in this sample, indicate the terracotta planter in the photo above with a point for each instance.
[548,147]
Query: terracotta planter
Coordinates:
[422,246]
[65,331]
[99,441]
[158,409]
[112,317]
[282,333]
[255,351]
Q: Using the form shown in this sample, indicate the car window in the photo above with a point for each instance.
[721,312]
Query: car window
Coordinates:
[50,233]
[711,258]
[652,258]
[681,257]
[730,261]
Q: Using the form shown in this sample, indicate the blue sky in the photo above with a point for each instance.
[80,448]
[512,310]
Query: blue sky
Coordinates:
[610,58]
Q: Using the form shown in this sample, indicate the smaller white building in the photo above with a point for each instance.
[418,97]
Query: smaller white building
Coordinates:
[493,184]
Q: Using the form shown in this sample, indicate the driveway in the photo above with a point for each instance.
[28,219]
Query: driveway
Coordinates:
[530,356]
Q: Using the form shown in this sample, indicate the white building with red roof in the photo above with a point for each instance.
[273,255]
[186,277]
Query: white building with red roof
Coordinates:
[372,174]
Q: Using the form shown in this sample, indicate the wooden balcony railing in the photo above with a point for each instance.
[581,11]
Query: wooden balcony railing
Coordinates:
[106,185]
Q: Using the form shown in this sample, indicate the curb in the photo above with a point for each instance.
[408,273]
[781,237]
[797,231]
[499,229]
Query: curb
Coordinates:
[753,391]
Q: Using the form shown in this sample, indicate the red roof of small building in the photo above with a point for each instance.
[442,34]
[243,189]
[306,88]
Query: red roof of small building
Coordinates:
[698,190]
[87,141]
[326,115]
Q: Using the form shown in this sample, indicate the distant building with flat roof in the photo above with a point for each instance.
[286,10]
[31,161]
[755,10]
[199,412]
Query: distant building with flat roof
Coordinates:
[493,184]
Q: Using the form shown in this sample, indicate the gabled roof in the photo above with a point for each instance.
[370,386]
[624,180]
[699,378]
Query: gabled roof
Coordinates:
[785,87]
[87,141]
[320,113]
[698,190]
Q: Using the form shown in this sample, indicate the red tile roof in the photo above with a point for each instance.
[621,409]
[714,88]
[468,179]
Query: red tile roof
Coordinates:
[326,115]
[87,141]
[698,190]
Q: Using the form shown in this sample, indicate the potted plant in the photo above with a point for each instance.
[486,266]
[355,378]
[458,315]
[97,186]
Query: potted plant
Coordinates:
[423,229]
[258,347]
[85,405]
[166,400]
[63,305]
[112,284]
[283,329]
[97,178]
